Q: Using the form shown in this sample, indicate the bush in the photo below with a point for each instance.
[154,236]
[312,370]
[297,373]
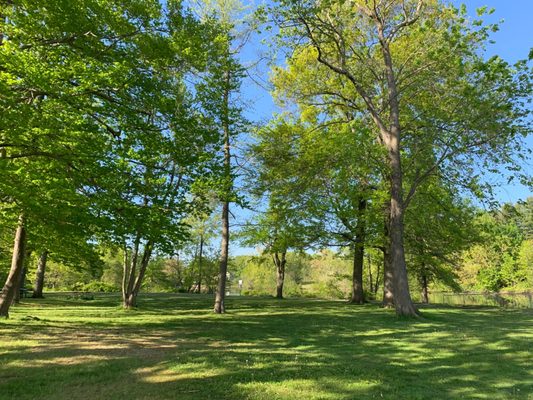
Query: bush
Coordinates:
[94,286]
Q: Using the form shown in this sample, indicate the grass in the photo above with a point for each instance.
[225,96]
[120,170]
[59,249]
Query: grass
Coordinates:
[174,347]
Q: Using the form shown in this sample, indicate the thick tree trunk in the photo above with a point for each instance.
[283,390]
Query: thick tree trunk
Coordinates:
[200,262]
[424,282]
[280,273]
[391,138]
[358,296]
[39,276]
[17,263]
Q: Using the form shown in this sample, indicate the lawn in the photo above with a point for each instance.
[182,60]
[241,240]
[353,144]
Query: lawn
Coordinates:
[174,347]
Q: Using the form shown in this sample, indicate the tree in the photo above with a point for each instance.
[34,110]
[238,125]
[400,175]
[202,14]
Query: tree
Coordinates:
[8,292]
[220,89]
[98,119]
[439,226]
[392,59]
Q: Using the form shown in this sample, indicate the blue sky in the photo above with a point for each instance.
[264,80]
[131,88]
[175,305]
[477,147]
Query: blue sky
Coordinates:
[512,42]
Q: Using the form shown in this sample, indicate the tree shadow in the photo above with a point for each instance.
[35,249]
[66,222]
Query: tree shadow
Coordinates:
[174,347]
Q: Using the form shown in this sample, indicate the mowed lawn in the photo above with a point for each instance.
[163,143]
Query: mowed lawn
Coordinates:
[174,347]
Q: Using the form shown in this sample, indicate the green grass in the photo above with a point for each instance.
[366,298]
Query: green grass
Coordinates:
[174,347]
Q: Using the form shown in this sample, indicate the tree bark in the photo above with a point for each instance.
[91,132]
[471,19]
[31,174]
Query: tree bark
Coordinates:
[280,273]
[391,138]
[39,276]
[17,263]
[358,296]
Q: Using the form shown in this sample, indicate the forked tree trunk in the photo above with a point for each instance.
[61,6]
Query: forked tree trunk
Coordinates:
[358,296]
[39,276]
[17,263]
[135,282]
[130,281]
[280,263]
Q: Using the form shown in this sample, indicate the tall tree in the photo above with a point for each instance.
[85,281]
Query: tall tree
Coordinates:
[392,59]
[220,89]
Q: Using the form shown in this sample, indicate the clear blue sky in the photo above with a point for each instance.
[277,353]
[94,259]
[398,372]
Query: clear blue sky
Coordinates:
[512,42]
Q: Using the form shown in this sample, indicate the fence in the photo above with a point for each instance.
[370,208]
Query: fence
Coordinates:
[501,299]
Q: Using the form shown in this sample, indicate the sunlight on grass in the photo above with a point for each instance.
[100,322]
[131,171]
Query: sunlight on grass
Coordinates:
[173,346]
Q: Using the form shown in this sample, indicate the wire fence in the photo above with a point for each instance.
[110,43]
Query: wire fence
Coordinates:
[500,299]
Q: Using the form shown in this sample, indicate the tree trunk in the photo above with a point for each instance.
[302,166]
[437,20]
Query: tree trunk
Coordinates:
[221,287]
[39,276]
[17,263]
[220,295]
[280,273]
[391,138]
[425,296]
[21,284]
[132,269]
[376,282]
[388,289]
[125,274]
[358,296]
[130,298]
[370,278]
[200,262]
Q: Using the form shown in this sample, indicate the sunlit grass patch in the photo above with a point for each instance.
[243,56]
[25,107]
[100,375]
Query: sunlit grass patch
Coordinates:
[174,347]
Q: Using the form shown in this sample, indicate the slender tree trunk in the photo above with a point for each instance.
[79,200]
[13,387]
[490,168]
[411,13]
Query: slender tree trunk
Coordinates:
[39,276]
[376,282]
[220,295]
[391,138]
[280,273]
[125,274]
[424,281]
[200,262]
[21,284]
[221,287]
[358,296]
[17,263]
[370,278]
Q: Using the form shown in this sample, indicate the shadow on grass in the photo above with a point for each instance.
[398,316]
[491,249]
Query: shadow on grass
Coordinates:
[175,347]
